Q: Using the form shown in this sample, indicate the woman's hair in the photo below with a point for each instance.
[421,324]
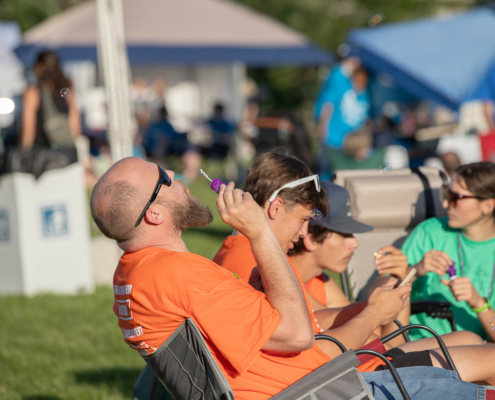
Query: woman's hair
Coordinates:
[52,72]
[479,179]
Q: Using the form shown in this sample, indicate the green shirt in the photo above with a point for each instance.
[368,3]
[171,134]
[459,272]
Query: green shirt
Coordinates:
[339,160]
[479,259]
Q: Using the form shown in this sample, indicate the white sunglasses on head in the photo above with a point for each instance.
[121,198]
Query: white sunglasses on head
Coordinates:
[293,184]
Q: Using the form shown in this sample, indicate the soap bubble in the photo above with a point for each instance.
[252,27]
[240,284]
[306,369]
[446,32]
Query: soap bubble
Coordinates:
[92,110]
[114,155]
[316,214]
[343,50]
[112,89]
[64,92]
[375,19]
[386,168]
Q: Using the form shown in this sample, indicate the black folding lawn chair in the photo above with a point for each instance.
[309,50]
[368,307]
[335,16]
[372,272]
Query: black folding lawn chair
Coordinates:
[187,370]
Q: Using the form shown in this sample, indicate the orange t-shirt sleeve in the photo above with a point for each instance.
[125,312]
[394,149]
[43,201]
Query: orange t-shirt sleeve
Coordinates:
[236,319]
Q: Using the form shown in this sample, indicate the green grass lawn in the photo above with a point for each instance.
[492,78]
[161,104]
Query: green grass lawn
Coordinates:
[70,347]
[64,347]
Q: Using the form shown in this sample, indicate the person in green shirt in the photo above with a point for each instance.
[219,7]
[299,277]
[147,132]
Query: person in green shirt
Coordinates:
[467,238]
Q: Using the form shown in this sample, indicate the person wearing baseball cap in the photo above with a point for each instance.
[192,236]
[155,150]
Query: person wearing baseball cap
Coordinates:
[330,245]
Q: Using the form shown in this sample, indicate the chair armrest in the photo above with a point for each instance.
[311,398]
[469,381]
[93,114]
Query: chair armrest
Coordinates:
[435,309]
[333,340]
[391,368]
[405,334]
[444,349]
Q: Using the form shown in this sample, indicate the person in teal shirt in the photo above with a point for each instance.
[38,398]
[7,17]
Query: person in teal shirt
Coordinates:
[466,237]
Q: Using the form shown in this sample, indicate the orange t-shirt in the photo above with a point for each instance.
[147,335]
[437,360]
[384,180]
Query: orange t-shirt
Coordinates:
[156,290]
[316,287]
[237,256]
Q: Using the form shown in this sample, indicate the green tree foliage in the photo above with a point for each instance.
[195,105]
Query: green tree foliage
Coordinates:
[29,13]
[326,23]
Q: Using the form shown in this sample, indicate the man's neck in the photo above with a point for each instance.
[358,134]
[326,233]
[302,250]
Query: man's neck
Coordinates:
[307,268]
[169,242]
[175,245]
[480,231]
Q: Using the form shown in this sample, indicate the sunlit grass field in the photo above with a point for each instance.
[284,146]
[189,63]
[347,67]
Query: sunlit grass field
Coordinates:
[70,347]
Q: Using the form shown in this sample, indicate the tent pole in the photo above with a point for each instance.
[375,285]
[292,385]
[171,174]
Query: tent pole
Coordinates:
[115,67]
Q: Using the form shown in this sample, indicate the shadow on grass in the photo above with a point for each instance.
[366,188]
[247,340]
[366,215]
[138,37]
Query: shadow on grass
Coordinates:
[121,378]
[40,397]
[220,233]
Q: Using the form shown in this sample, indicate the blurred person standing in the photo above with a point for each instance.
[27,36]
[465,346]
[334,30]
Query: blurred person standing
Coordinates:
[50,115]
[159,87]
[162,140]
[222,132]
[343,106]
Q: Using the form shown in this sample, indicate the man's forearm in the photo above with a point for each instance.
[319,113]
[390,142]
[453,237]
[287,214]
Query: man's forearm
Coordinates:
[335,317]
[353,335]
[279,280]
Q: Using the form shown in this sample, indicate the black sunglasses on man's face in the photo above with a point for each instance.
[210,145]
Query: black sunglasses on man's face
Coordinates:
[163,180]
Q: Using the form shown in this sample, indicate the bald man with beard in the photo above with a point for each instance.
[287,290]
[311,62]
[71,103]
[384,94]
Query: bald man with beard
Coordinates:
[158,283]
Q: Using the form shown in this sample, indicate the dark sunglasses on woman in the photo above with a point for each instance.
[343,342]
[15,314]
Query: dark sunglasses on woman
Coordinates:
[453,197]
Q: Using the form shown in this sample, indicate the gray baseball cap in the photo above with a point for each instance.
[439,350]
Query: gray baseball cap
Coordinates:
[339,218]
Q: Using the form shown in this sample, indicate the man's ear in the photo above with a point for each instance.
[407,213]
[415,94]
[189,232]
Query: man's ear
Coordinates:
[488,206]
[275,208]
[154,217]
[309,242]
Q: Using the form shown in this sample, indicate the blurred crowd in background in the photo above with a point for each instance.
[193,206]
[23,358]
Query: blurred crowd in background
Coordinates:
[226,114]
[346,130]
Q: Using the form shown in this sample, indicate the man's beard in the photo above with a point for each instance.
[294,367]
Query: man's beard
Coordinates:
[191,214]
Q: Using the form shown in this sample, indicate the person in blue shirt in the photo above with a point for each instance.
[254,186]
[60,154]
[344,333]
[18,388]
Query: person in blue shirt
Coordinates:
[342,107]
[222,132]
[162,139]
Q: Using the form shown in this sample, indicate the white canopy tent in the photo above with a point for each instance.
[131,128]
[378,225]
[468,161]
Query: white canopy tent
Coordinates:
[207,43]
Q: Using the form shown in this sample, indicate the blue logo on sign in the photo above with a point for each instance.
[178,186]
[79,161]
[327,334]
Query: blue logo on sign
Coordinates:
[4,226]
[54,221]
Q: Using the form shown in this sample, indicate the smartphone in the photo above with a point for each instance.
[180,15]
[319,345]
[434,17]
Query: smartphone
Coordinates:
[409,276]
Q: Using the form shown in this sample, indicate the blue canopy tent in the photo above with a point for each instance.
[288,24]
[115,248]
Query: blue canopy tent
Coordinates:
[447,59]
[184,32]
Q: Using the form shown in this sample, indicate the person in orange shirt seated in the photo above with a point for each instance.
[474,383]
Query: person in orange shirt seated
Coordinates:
[274,180]
[262,342]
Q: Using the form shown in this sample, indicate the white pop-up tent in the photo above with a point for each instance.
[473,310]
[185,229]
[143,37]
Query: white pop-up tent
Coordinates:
[205,42]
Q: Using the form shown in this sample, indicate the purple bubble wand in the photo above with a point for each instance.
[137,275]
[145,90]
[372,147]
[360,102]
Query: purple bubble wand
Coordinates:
[215,183]
[451,270]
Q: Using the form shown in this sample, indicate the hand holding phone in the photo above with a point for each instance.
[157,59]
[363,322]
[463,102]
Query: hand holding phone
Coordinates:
[409,276]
